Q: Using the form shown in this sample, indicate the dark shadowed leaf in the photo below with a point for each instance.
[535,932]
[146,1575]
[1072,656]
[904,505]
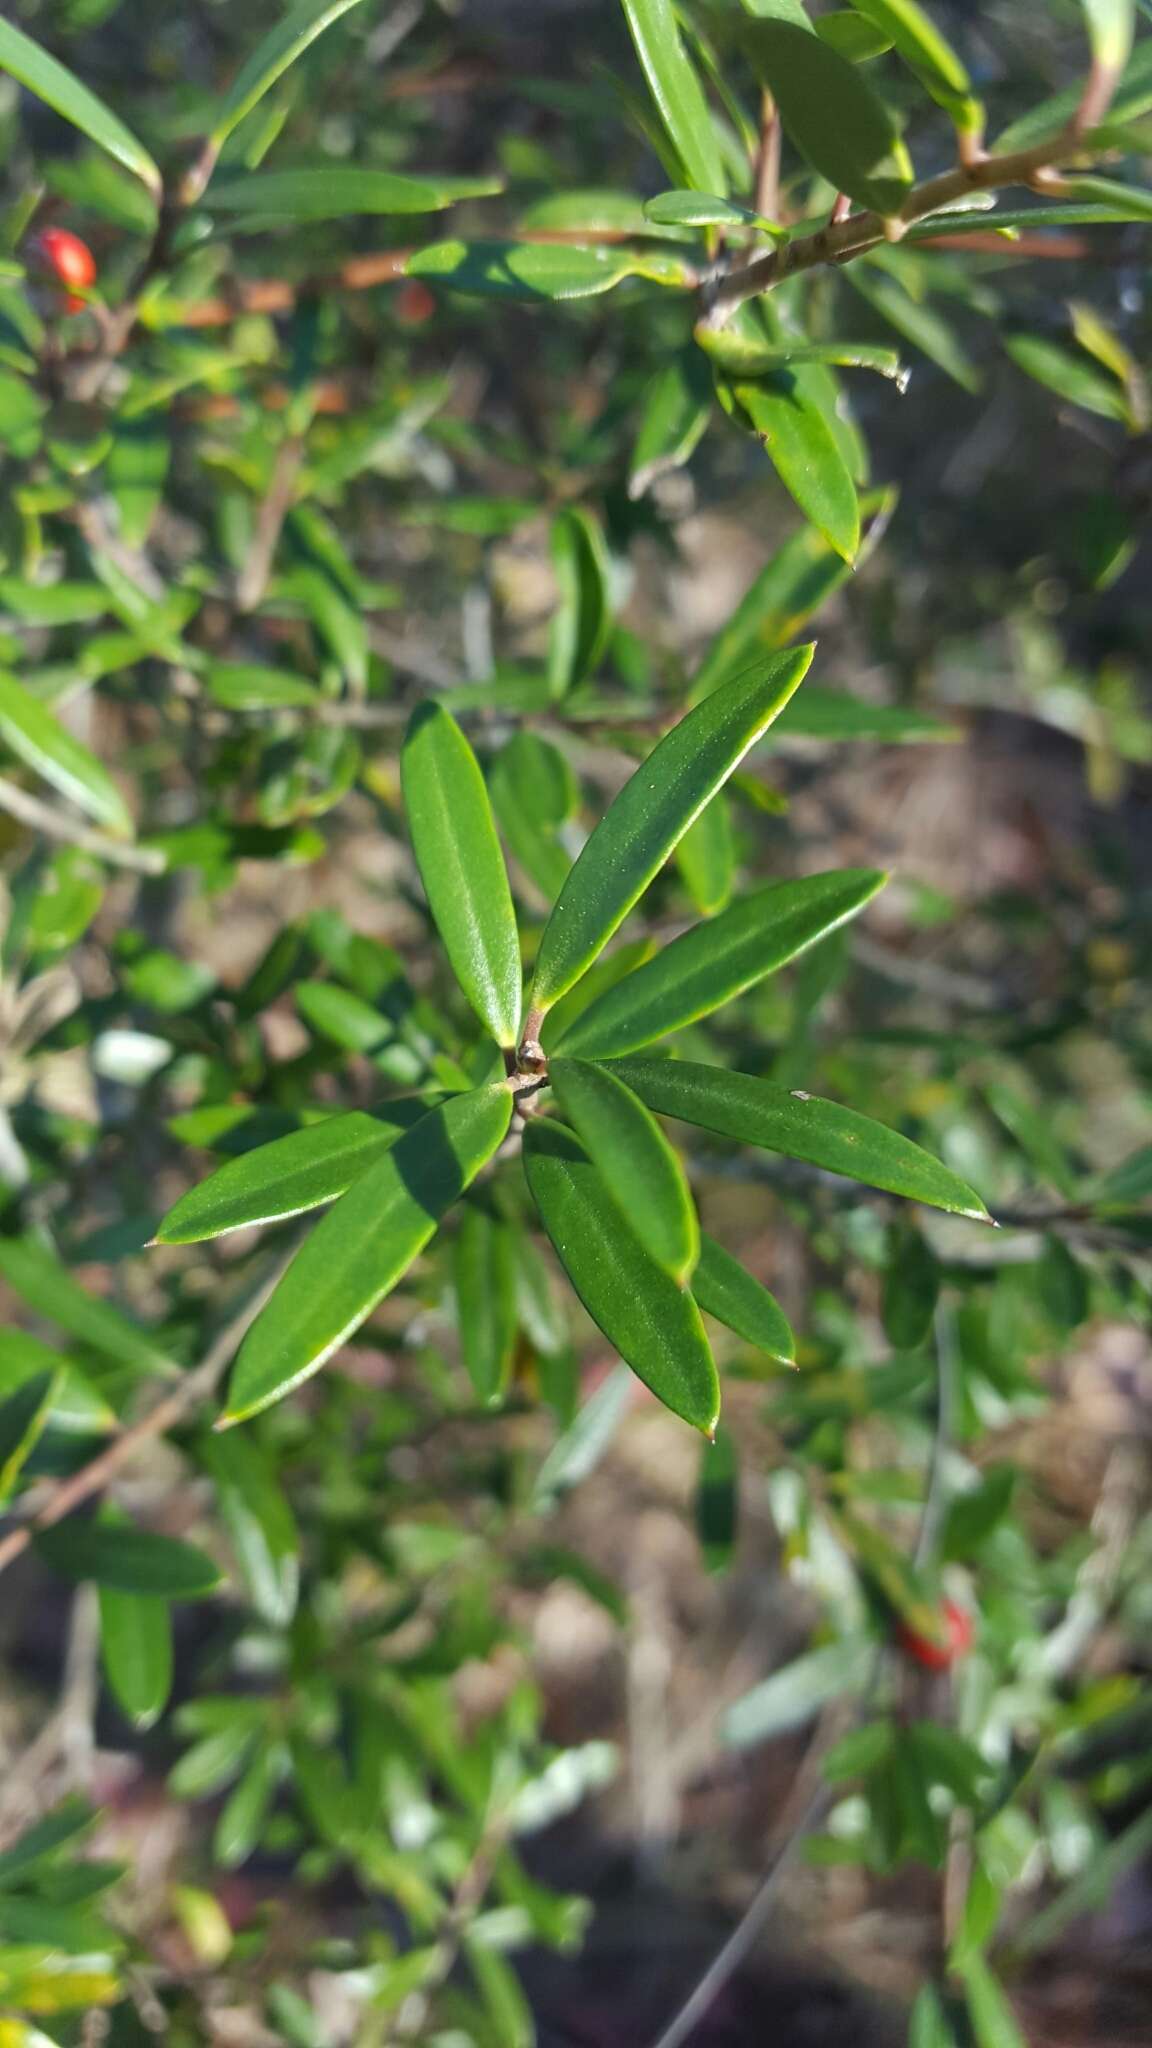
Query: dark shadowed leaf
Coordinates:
[653,810]
[801,1126]
[911,1287]
[653,1323]
[583,619]
[364,1246]
[23,1415]
[677,407]
[638,1164]
[462,867]
[485,1275]
[260,1524]
[717,1500]
[278,50]
[127,1559]
[136,1649]
[906,25]
[706,857]
[44,1282]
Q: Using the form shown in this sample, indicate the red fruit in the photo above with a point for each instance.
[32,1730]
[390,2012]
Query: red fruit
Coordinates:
[414,303]
[956,1639]
[70,260]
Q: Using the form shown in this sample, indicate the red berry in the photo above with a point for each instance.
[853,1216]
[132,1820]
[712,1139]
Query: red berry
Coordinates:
[956,1641]
[414,303]
[70,260]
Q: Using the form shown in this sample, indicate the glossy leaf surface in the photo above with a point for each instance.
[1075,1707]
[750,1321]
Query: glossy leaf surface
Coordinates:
[462,867]
[642,825]
[272,57]
[53,83]
[714,962]
[803,448]
[364,1246]
[653,1323]
[801,1126]
[727,1290]
[677,91]
[638,1164]
[290,1175]
[831,114]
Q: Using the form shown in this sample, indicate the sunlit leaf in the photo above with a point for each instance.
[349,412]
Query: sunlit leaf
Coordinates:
[677,92]
[53,83]
[727,1290]
[37,737]
[638,1164]
[831,114]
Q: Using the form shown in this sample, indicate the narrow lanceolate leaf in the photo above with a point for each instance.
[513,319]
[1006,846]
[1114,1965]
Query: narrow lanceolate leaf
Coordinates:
[364,1246]
[727,1290]
[677,407]
[42,743]
[748,356]
[677,92]
[802,446]
[248,686]
[713,962]
[333,191]
[484,1270]
[654,1324]
[23,1415]
[129,1560]
[924,49]
[532,271]
[831,114]
[801,1126]
[653,810]
[136,1650]
[56,86]
[706,857]
[920,323]
[1111,27]
[290,1175]
[638,1164]
[260,1524]
[583,618]
[44,1282]
[279,49]
[1069,375]
[462,867]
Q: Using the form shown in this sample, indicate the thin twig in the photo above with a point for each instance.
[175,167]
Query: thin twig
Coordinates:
[166,1413]
[253,578]
[44,817]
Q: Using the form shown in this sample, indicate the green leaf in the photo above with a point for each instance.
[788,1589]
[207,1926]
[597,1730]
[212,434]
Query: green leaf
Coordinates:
[290,1175]
[1122,202]
[213,1763]
[56,86]
[803,449]
[245,686]
[677,407]
[1131,1181]
[1062,1285]
[364,1246]
[342,1016]
[246,1809]
[800,1126]
[851,36]
[705,210]
[46,1285]
[333,191]
[973,1516]
[583,617]
[53,604]
[929,2026]
[653,1323]
[652,811]
[462,867]
[725,1289]
[638,1164]
[136,1647]
[747,355]
[129,1560]
[1111,27]
[830,114]
[837,715]
[797,1691]
[534,793]
[76,1406]
[919,323]
[1069,375]
[905,24]
[73,1817]
[259,1522]
[993,2022]
[911,1288]
[504,2003]
[677,92]
[1051,117]
[578,1451]
[706,857]
[280,49]
[42,743]
[531,271]
[718,1500]
[485,1275]
[712,963]
[795,583]
[22,1418]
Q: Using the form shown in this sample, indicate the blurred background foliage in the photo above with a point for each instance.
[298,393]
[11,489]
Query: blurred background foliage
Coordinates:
[395,1716]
